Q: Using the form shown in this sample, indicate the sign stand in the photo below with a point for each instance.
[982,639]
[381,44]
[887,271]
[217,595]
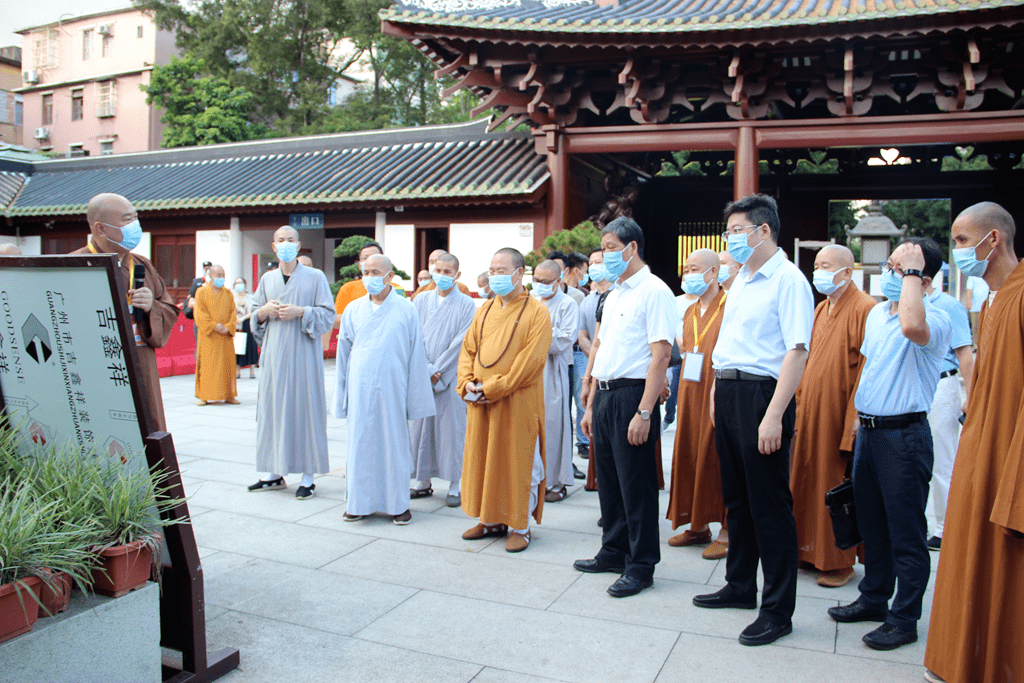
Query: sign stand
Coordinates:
[54,361]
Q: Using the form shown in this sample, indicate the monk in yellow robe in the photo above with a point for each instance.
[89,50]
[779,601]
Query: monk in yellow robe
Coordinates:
[215,353]
[696,493]
[501,377]
[975,630]
[825,416]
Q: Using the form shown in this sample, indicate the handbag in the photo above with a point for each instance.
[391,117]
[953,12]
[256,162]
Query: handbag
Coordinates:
[240,340]
[839,501]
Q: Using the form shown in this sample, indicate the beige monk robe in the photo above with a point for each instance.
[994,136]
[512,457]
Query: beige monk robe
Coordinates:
[975,630]
[215,352]
[502,436]
[823,441]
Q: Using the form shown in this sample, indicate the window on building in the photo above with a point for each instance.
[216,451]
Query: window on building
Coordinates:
[44,48]
[86,44]
[140,32]
[19,111]
[77,104]
[106,98]
[108,44]
[6,100]
[106,147]
[77,150]
[47,109]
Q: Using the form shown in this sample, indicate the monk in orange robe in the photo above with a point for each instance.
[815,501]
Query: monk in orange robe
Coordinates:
[501,372]
[215,353]
[696,493]
[825,416]
[975,634]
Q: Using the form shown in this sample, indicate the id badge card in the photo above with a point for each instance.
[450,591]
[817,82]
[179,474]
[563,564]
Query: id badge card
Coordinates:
[693,364]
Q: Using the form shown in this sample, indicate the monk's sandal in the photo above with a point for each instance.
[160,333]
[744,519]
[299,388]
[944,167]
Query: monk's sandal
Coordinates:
[272,485]
[306,492]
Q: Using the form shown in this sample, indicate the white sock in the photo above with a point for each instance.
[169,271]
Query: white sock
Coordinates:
[454,488]
[420,485]
[270,476]
[521,531]
[307,480]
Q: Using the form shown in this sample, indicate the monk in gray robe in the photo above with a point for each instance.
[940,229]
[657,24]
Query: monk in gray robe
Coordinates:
[438,441]
[294,308]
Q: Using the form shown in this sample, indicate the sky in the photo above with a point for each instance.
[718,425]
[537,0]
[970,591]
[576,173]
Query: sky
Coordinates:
[18,14]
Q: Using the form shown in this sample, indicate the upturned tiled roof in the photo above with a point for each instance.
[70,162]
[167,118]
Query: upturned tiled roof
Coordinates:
[669,16]
[378,167]
[10,183]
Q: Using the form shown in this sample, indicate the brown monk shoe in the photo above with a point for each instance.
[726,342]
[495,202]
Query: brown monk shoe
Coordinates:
[836,577]
[715,551]
[690,538]
[483,531]
[516,542]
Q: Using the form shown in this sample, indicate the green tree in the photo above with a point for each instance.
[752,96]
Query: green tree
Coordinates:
[199,109]
[923,218]
[349,250]
[840,215]
[583,238]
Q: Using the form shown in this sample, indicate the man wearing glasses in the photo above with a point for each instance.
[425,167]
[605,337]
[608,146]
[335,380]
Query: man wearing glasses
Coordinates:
[758,361]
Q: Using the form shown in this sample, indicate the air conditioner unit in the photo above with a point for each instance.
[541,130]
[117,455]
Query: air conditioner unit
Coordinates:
[105,29]
[30,77]
[42,133]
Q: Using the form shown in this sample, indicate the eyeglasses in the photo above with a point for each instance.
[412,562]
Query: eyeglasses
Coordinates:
[737,230]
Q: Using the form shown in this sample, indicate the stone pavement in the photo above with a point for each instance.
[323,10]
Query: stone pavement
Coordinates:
[308,597]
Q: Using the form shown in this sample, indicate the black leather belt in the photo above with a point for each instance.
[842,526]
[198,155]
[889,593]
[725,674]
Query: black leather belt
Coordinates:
[576,347]
[948,373]
[729,373]
[613,384]
[890,421]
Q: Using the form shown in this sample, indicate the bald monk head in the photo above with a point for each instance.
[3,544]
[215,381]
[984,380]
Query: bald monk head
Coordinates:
[378,266]
[984,233]
[836,260]
[547,278]
[286,245]
[113,223]
[432,259]
[217,276]
[728,269]
[507,268]
[483,287]
[423,278]
[9,250]
[306,261]
[700,274]
[446,266]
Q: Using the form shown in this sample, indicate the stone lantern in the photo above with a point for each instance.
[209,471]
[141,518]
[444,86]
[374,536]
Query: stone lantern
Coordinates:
[875,231]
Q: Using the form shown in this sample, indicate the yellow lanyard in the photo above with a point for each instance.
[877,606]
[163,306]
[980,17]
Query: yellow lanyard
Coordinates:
[698,338]
[131,269]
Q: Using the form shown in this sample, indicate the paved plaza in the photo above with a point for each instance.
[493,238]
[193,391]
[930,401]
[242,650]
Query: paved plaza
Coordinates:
[308,597]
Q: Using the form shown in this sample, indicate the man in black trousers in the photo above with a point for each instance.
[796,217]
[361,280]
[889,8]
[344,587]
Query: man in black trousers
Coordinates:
[758,360]
[624,379]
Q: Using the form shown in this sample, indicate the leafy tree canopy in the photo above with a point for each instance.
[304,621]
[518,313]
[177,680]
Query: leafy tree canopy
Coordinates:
[349,250]
[583,238]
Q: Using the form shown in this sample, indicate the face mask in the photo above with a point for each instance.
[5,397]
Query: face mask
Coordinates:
[131,234]
[287,251]
[584,279]
[240,287]
[891,286]
[482,292]
[739,249]
[374,284]
[218,282]
[614,265]
[693,283]
[501,284]
[542,290]
[423,283]
[966,259]
[443,282]
[724,275]
[597,273]
[823,281]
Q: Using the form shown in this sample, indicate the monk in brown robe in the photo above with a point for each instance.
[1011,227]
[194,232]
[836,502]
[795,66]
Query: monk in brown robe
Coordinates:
[975,634]
[696,493]
[114,227]
[825,416]
[215,356]
[501,373]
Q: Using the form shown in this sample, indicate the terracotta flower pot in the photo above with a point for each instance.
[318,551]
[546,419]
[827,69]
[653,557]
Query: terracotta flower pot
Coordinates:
[122,569]
[57,598]
[18,607]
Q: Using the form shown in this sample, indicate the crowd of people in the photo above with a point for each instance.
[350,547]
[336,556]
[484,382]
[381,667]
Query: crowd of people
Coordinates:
[777,401]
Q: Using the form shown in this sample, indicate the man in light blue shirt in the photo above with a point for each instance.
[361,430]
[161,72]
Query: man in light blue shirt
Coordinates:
[906,340]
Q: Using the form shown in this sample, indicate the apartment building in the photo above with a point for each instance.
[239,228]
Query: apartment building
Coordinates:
[80,83]
[10,100]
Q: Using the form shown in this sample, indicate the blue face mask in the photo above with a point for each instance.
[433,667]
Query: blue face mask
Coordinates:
[597,273]
[740,249]
[218,282]
[891,285]
[542,290]
[693,283]
[614,265]
[501,284]
[443,282]
[240,287]
[966,259]
[374,284]
[723,275]
[823,282]
[131,234]
[584,279]
[287,251]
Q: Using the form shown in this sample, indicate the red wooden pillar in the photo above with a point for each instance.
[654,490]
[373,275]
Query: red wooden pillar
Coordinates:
[747,172]
[558,195]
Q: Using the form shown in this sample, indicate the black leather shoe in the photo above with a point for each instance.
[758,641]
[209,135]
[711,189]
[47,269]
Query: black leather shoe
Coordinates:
[889,637]
[724,598]
[576,474]
[763,632]
[934,543]
[595,566]
[627,585]
[857,611]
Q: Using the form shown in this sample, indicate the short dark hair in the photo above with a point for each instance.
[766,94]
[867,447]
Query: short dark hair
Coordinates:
[595,251]
[627,231]
[579,259]
[517,257]
[932,254]
[380,249]
[759,209]
[560,255]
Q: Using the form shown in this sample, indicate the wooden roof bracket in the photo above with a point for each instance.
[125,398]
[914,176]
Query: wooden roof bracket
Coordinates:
[738,95]
[848,81]
[461,61]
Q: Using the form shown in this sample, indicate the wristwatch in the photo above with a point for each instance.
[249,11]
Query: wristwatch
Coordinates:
[913,271]
[644,414]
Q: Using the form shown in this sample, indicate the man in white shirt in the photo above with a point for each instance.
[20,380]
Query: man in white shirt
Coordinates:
[758,361]
[624,379]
